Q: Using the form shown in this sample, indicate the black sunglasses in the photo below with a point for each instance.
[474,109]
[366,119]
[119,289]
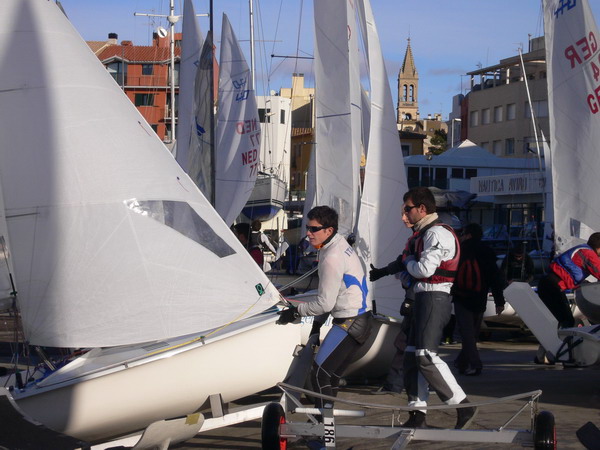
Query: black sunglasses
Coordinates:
[315,229]
[407,208]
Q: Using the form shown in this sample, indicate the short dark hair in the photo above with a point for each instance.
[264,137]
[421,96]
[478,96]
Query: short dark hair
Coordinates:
[474,229]
[421,196]
[243,229]
[594,241]
[256,225]
[326,216]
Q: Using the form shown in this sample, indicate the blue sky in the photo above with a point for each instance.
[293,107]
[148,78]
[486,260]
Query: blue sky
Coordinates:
[449,37]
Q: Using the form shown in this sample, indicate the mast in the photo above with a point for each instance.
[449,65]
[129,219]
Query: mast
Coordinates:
[213,198]
[172,21]
[251,15]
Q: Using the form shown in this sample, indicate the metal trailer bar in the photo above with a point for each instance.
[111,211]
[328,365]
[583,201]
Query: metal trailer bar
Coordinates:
[313,428]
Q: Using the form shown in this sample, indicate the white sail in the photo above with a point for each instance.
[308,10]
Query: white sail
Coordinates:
[198,161]
[238,130]
[191,48]
[574,102]
[111,242]
[381,235]
[336,165]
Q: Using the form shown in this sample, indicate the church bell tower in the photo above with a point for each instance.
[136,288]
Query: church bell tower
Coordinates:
[408,90]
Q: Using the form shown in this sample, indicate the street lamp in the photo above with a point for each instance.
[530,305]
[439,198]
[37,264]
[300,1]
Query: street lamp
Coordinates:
[452,125]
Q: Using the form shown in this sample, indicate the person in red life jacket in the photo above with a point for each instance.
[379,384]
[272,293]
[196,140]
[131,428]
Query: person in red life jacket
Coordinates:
[394,381]
[566,272]
[477,275]
[432,263]
[242,231]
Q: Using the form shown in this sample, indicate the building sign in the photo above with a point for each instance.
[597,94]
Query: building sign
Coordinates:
[509,184]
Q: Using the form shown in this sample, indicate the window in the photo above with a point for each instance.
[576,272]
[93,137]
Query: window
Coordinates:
[147,69]
[264,115]
[470,173]
[485,145]
[457,173]
[498,114]
[282,116]
[144,99]
[441,173]
[511,111]
[540,109]
[404,93]
[474,118]
[405,149]
[485,116]
[509,146]
[411,93]
[497,147]
[118,71]
[413,175]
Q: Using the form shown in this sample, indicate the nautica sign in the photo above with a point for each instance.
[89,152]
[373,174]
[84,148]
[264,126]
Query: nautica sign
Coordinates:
[522,183]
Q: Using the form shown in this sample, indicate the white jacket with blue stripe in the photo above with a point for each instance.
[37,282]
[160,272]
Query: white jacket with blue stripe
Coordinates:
[342,283]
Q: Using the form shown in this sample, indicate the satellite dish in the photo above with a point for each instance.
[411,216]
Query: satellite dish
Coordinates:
[162,33]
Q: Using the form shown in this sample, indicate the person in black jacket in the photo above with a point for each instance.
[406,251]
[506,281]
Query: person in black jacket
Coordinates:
[477,275]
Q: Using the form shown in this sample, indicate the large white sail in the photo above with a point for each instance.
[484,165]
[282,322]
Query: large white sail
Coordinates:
[336,166]
[381,235]
[238,129]
[572,49]
[111,241]
[191,48]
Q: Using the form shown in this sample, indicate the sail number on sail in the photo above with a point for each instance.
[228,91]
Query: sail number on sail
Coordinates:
[251,128]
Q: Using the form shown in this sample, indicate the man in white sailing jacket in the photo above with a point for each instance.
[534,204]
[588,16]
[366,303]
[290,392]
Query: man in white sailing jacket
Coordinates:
[343,293]
[432,263]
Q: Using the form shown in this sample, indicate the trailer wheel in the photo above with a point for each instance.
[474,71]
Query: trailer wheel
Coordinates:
[544,431]
[273,416]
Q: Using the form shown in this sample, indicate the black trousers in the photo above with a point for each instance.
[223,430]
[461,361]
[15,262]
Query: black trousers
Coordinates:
[556,300]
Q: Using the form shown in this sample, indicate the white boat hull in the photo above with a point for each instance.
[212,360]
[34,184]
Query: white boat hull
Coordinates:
[267,198]
[98,405]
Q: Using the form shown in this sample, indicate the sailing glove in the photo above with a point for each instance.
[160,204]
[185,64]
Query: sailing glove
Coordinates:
[375,273]
[288,315]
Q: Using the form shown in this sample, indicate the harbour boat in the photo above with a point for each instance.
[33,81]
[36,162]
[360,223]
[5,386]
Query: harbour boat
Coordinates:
[574,134]
[109,248]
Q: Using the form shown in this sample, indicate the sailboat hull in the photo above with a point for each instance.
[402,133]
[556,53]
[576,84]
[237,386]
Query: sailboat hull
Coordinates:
[266,199]
[131,395]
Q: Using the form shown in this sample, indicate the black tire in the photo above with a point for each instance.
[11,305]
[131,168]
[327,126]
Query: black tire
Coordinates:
[273,416]
[544,431]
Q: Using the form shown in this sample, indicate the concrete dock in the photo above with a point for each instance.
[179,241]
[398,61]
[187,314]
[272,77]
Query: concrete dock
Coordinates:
[571,394]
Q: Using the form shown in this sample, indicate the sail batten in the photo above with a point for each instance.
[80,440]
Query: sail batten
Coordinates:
[91,267]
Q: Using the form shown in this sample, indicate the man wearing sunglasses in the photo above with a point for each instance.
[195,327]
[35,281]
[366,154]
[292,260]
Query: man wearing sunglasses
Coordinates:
[432,263]
[342,292]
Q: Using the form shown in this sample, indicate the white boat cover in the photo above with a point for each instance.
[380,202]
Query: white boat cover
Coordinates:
[574,103]
[111,242]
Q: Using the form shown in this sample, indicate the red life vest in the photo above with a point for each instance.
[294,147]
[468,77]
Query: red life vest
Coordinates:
[446,272]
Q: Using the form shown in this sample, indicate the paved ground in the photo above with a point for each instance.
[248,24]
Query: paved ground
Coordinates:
[572,395]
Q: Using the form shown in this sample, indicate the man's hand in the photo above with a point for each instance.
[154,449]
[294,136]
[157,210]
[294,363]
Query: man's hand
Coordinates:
[499,309]
[375,273]
[287,315]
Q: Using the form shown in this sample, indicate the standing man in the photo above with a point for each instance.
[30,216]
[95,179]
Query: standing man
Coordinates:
[477,275]
[343,293]
[433,265]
